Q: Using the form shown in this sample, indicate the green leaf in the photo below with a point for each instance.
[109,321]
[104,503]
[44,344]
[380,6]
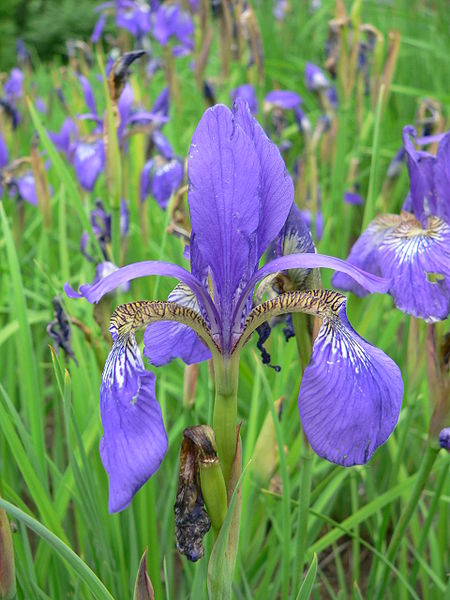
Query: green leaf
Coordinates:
[307,585]
[79,567]
[220,576]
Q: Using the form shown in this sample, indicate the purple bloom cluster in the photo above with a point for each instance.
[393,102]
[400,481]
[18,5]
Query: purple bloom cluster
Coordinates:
[240,198]
[413,248]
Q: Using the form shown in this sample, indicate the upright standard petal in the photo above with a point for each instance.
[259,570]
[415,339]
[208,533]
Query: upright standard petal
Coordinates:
[350,395]
[165,341]
[276,187]
[224,187]
[134,441]
[418,262]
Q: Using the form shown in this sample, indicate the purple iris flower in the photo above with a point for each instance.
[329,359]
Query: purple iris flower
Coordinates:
[284,99]
[88,161]
[162,178]
[132,15]
[240,195]
[353,198]
[280,9]
[413,248]
[171,22]
[247,92]
[315,78]
[13,87]
[101,227]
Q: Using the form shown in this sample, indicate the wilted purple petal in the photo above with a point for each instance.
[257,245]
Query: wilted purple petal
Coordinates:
[353,198]
[87,93]
[315,78]
[88,162]
[134,439]
[284,99]
[165,341]
[224,180]
[247,93]
[365,253]
[418,261]
[350,395]
[276,187]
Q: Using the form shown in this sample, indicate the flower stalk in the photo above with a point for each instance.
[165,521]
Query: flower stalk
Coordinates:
[226,372]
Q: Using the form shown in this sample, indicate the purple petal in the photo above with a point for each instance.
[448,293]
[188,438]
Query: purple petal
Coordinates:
[165,341]
[4,156]
[145,180]
[13,87]
[224,178]
[350,395]
[124,105]
[418,261]
[247,93]
[353,198]
[276,187]
[365,253]
[162,103]
[134,441]
[106,268]
[166,180]
[62,138]
[87,93]
[171,21]
[310,261]
[135,19]
[284,99]
[93,293]
[421,176]
[27,188]
[162,144]
[88,162]
[98,29]
[315,78]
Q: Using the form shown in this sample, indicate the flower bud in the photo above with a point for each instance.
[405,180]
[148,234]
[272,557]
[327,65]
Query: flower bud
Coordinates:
[143,589]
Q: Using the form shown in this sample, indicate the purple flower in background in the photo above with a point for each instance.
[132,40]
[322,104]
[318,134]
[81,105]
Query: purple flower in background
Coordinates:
[444,438]
[315,78]
[162,178]
[353,198]
[101,227]
[171,22]
[132,15]
[13,87]
[247,93]
[413,248]
[240,196]
[4,155]
[88,161]
[284,99]
[280,9]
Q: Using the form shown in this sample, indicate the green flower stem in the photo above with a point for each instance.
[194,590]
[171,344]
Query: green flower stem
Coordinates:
[115,235]
[226,371]
[428,460]
[303,511]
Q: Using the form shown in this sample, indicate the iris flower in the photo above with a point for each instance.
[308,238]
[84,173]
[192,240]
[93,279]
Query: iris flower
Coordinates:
[240,195]
[413,248]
